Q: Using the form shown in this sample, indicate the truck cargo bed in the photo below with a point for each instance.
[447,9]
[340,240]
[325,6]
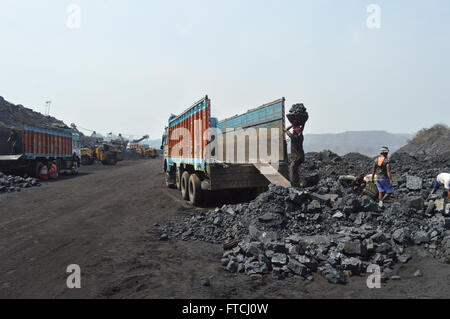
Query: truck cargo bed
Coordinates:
[236,176]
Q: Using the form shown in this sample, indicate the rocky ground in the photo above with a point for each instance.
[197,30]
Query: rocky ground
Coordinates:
[10,183]
[108,221]
[430,143]
[325,226]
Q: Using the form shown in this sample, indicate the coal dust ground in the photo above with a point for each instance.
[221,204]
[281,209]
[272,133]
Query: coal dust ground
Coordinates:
[106,221]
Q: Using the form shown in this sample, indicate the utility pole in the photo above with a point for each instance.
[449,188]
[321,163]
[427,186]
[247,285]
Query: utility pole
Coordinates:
[47,108]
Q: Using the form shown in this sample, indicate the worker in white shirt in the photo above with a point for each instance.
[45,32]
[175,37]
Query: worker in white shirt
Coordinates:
[442,179]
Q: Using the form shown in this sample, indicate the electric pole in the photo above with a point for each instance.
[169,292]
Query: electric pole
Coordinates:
[47,108]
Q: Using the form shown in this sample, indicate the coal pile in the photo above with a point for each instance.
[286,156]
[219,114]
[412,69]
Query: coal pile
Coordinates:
[298,115]
[10,183]
[18,115]
[431,144]
[326,227]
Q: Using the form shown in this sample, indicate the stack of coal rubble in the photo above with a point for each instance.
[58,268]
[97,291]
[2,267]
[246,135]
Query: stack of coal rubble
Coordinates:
[10,183]
[298,115]
[324,227]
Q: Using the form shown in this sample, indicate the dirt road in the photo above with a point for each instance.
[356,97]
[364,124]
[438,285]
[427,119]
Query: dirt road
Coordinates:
[105,220]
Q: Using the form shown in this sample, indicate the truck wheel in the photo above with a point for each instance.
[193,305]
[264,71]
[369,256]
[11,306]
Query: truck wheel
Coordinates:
[168,183]
[195,190]
[185,185]
[178,178]
[37,170]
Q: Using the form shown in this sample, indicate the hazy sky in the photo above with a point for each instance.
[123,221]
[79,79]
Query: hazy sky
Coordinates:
[132,63]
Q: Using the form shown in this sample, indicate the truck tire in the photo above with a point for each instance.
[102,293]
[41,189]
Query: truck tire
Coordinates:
[37,169]
[178,178]
[168,183]
[195,190]
[185,185]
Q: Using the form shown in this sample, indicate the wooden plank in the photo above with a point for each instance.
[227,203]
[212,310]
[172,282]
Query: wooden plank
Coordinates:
[272,174]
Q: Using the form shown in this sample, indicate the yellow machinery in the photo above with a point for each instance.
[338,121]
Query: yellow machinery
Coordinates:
[105,153]
[108,154]
[87,156]
[145,152]
[152,152]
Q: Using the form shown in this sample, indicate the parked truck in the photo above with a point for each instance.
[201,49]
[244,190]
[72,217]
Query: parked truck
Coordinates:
[207,160]
[35,148]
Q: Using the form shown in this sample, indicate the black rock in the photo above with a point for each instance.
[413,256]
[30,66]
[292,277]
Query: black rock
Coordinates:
[232,266]
[413,182]
[421,237]
[297,268]
[402,236]
[256,267]
[310,180]
[334,276]
[205,282]
[355,248]
[415,202]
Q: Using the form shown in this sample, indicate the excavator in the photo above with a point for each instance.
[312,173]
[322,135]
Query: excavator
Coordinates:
[134,148]
[146,151]
[120,143]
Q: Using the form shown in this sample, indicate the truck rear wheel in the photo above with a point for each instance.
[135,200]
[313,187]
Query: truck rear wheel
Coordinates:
[168,182]
[195,190]
[185,185]
[37,169]
[178,178]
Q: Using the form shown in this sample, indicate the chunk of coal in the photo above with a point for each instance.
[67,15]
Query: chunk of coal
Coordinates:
[355,248]
[297,268]
[413,183]
[401,236]
[421,237]
[298,115]
[416,202]
[279,259]
[256,267]
[310,180]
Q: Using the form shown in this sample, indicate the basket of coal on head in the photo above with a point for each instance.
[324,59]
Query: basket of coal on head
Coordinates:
[298,115]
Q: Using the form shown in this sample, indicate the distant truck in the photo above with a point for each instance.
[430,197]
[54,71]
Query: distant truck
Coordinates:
[192,164]
[36,147]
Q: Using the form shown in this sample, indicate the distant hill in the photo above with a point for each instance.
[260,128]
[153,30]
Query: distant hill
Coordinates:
[18,115]
[434,142]
[364,142]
